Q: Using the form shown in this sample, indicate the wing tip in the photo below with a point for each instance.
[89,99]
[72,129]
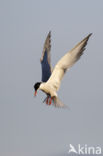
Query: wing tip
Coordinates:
[47,45]
[49,32]
[89,35]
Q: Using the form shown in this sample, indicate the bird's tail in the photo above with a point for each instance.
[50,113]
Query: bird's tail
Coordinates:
[58,103]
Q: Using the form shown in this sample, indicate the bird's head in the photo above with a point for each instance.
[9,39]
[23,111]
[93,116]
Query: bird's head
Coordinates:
[36,87]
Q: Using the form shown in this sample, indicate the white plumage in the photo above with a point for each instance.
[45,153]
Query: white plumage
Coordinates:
[53,84]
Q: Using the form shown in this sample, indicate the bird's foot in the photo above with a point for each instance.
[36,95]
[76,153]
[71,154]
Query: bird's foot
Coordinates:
[47,100]
[50,101]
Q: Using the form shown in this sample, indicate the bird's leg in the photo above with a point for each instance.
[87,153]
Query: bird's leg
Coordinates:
[50,101]
[44,100]
[47,99]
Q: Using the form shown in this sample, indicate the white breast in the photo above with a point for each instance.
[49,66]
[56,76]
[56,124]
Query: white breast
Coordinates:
[48,89]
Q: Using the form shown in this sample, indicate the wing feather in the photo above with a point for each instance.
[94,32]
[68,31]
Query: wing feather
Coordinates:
[66,62]
[46,59]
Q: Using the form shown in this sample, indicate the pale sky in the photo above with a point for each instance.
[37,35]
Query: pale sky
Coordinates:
[27,126]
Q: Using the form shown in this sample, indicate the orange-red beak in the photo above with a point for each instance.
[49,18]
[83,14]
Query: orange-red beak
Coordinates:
[35,93]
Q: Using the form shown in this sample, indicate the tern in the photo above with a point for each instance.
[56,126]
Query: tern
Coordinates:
[51,78]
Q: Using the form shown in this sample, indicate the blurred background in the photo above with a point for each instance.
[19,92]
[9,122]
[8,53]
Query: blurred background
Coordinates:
[29,127]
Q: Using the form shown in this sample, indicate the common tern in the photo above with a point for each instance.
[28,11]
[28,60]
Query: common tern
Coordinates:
[51,78]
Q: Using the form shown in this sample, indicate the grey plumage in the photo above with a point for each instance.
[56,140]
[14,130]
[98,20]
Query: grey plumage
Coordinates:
[47,47]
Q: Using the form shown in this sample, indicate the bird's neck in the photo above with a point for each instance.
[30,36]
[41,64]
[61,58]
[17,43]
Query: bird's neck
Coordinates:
[42,85]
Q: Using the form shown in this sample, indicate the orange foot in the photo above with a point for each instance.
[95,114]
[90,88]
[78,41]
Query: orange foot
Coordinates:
[50,101]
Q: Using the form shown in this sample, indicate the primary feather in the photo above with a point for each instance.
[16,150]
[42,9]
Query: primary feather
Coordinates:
[46,59]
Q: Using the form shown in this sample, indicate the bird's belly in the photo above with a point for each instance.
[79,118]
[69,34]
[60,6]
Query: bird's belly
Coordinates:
[45,90]
[49,91]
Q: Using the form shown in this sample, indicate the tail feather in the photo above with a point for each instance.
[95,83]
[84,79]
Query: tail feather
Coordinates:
[58,103]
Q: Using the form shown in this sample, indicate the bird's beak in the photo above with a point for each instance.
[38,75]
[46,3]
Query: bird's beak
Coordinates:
[35,93]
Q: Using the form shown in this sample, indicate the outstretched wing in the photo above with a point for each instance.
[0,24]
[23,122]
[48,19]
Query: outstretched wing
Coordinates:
[66,62]
[45,59]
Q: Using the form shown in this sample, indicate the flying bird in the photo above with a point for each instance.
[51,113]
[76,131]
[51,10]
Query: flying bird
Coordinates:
[51,78]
